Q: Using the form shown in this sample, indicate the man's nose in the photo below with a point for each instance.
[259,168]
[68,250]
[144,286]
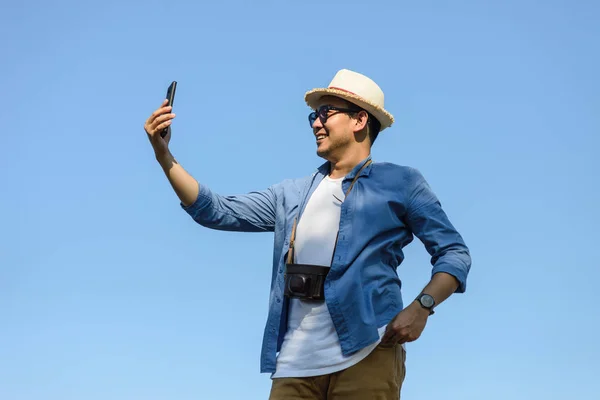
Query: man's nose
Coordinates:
[317,125]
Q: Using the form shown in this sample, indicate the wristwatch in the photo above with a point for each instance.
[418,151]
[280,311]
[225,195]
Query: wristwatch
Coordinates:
[426,301]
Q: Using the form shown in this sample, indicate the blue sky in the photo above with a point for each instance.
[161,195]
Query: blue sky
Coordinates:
[108,290]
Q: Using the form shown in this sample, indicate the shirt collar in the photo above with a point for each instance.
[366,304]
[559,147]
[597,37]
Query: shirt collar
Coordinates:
[325,168]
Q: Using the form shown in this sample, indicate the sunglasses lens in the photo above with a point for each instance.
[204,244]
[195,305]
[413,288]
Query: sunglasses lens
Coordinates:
[312,117]
[323,111]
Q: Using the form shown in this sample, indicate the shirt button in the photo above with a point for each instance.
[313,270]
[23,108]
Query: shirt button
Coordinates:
[279,300]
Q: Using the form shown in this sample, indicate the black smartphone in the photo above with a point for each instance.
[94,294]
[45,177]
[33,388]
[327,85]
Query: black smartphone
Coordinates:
[170,98]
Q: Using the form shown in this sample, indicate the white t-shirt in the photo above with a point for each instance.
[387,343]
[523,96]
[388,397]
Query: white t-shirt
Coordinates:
[311,346]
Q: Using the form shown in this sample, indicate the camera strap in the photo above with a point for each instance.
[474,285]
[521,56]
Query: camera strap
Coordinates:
[290,257]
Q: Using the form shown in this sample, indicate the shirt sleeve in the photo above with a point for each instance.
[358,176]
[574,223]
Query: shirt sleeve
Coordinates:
[431,225]
[250,212]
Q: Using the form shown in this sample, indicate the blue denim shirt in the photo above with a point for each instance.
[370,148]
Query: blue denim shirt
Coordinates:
[386,207]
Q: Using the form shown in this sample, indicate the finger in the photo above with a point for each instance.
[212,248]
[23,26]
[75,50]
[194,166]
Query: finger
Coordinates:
[401,339]
[162,126]
[387,335]
[159,120]
[163,104]
[159,111]
[389,342]
[162,118]
[388,338]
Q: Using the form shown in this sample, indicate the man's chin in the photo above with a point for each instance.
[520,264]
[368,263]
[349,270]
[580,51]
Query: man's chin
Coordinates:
[323,153]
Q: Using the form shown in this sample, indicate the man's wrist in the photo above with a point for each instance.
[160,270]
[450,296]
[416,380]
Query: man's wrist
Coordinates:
[165,159]
[424,310]
[426,302]
[419,309]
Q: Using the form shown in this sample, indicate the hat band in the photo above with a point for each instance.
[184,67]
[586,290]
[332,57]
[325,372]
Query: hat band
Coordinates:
[349,92]
[343,90]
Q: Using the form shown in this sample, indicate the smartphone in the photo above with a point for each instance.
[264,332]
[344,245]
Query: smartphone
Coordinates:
[170,98]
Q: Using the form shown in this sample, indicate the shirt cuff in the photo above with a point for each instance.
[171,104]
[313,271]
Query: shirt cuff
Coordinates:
[459,273]
[203,200]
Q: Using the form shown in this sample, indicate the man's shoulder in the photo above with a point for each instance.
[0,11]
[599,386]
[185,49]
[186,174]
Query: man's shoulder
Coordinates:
[408,180]
[397,172]
[294,183]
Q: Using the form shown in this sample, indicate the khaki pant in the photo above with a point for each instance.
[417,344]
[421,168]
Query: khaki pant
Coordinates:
[379,376]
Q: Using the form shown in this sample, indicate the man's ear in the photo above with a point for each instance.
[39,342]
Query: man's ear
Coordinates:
[361,118]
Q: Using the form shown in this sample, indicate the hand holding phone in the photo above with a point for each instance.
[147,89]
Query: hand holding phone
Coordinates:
[170,99]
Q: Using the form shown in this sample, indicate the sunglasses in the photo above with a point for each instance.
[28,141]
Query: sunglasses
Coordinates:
[323,113]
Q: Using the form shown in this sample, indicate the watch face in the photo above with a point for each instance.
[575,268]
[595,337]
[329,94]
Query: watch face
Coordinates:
[427,300]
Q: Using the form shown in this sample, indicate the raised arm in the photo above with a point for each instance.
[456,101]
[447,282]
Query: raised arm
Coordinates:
[252,212]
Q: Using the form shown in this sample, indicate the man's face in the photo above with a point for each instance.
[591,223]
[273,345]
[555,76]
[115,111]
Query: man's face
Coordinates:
[337,134]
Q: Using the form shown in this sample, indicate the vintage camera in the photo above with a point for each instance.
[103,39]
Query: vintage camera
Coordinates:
[305,281]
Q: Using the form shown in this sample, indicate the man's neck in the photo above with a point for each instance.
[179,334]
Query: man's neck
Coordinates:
[342,167]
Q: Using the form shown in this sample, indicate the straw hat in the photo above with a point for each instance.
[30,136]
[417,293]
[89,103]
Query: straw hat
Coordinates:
[355,88]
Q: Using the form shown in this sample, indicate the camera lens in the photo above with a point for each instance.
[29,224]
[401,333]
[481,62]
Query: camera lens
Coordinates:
[299,284]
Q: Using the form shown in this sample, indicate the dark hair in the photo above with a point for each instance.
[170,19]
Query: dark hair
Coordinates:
[374,127]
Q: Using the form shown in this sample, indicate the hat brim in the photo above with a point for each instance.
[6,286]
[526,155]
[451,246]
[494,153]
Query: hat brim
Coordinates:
[386,119]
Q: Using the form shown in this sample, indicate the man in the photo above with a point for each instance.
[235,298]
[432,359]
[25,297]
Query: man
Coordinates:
[337,324]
